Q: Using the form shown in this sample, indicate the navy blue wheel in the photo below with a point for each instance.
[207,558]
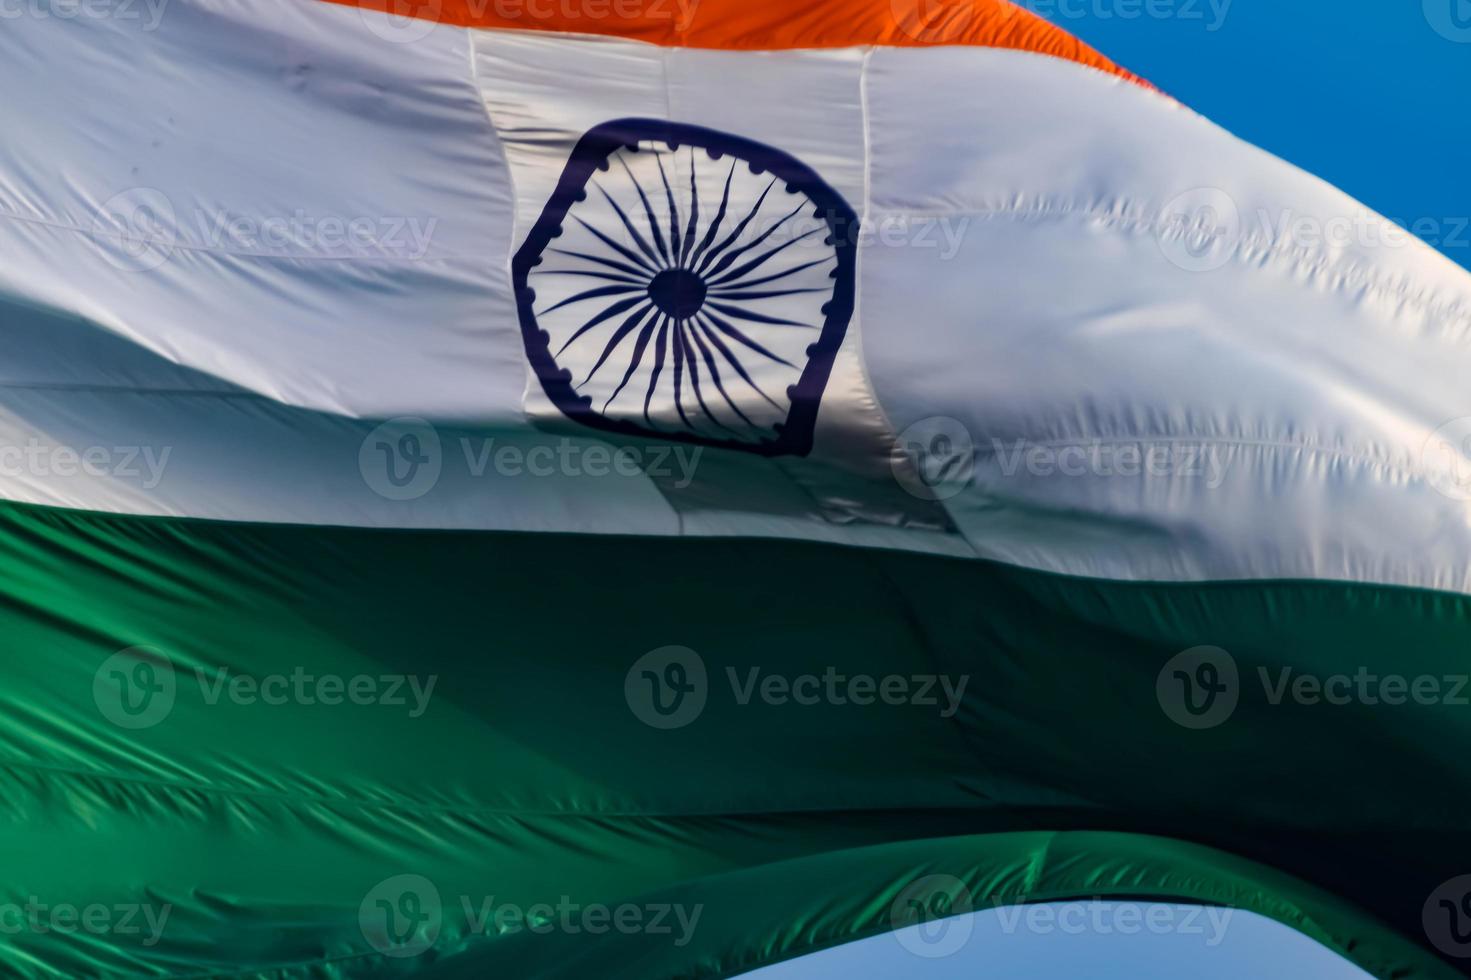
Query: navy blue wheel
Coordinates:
[687,284]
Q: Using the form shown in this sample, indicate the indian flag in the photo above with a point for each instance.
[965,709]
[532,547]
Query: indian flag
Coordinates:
[652,488]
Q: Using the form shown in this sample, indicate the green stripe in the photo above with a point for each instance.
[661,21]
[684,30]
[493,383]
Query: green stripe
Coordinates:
[528,778]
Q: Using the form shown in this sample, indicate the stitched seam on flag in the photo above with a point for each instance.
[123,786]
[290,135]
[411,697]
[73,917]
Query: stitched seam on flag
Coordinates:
[280,969]
[1247,252]
[122,390]
[863,370]
[1347,455]
[931,653]
[504,266]
[356,803]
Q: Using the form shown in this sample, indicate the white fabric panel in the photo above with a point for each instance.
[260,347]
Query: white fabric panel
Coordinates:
[1020,280]
[1307,381]
[538,96]
[195,187]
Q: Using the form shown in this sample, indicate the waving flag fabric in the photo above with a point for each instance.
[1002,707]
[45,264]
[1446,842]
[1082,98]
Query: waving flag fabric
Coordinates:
[651,489]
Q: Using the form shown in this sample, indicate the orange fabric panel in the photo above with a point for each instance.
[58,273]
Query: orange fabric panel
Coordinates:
[770,24]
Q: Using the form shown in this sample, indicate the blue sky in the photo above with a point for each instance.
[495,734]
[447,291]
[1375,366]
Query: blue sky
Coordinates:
[1107,941]
[1370,95]
[1367,94]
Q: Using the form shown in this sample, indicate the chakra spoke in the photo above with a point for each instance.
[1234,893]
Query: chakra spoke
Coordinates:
[689,232]
[734,361]
[593,274]
[689,353]
[719,217]
[655,263]
[774,277]
[591,294]
[677,342]
[761,259]
[627,253]
[639,346]
[714,253]
[735,334]
[648,210]
[674,244]
[754,317]
[659,349]
[624,329]
[620,266]
[729,297]
[715,373]
[622,306]
[733,254]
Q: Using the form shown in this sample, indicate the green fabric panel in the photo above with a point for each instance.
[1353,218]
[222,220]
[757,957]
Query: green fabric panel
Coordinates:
[759,916]
[263,828]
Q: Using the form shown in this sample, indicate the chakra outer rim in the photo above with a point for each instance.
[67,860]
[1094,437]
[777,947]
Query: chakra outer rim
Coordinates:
[794,434]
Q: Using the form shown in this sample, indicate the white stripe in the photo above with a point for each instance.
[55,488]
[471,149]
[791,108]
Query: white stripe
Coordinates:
[1023,279]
